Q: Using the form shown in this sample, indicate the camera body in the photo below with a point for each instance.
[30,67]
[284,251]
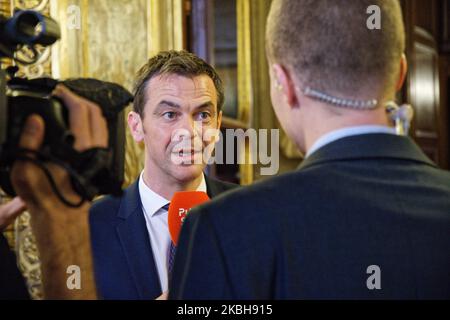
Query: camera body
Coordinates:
[93,172]
[16,104]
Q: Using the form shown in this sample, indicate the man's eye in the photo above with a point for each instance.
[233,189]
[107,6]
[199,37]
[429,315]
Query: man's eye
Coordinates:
[202,116]
[169,115]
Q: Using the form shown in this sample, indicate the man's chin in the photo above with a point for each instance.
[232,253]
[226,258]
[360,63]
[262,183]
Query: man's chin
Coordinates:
[187,172]
[187,160]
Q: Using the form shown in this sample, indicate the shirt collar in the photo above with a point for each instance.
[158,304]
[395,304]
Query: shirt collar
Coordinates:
[347,132]
[153,202]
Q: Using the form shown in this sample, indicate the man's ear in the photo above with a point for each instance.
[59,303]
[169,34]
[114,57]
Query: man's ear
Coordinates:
[219,120]
[217,130]
[136,127]
[403,72]
[285,84]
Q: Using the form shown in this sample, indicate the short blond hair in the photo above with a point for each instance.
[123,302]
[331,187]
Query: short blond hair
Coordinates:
[330,48]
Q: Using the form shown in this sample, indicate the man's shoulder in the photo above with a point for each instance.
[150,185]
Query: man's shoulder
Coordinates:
[440,175]
[104,210]
[253,210]
[224,184]
[306,187]
[108,206]
[260,196]
[216,187]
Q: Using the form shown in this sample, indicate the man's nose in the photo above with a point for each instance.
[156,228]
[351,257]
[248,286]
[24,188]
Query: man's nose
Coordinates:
[189,129]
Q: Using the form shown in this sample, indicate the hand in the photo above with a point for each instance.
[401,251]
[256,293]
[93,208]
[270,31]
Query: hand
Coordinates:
[164,296]
[10,211]
[89,129]
[62,233]
[86,120]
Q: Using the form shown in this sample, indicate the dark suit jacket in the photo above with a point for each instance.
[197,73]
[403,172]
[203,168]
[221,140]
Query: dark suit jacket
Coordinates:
[359,201]
[12,284]
[123,258]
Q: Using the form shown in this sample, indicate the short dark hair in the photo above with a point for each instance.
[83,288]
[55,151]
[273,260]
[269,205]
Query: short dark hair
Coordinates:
[330,48]
[181,63]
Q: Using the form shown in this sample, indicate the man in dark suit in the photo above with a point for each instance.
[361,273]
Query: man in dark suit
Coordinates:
[178,99]
[367,214]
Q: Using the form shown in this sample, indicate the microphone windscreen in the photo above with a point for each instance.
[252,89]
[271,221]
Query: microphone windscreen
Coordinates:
[179,207]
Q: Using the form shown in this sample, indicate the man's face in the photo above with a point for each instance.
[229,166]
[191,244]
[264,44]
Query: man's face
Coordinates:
[179,115]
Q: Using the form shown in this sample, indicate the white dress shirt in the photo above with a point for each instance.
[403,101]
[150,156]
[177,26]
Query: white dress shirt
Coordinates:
[347,132]
[157,226]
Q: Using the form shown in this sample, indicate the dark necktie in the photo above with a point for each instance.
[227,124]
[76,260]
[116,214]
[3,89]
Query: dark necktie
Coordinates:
[172,249]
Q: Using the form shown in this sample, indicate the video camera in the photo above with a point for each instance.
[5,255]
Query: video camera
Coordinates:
[93,172]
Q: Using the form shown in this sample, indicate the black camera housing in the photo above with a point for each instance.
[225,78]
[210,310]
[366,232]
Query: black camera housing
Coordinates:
[93,172]
[20,98]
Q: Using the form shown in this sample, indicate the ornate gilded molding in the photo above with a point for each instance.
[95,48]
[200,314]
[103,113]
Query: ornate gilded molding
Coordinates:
[43,66]
[245,81]
[38,5]
[28,256]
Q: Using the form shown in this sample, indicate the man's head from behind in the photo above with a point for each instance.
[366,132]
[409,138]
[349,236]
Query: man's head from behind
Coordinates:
[178,100]
[327,46]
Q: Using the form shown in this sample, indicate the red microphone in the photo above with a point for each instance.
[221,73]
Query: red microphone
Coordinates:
[179,207]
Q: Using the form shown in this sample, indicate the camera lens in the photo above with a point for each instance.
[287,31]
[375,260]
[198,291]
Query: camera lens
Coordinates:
[32,28]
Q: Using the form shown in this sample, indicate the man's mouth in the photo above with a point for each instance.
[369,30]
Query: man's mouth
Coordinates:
[185,153]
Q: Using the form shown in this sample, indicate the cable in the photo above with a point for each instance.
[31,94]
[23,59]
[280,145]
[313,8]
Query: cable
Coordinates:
[21,155]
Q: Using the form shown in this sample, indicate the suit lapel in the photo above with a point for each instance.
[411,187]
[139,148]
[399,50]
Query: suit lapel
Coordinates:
[214,187]
[211,188]
[133,234]
[368,146]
